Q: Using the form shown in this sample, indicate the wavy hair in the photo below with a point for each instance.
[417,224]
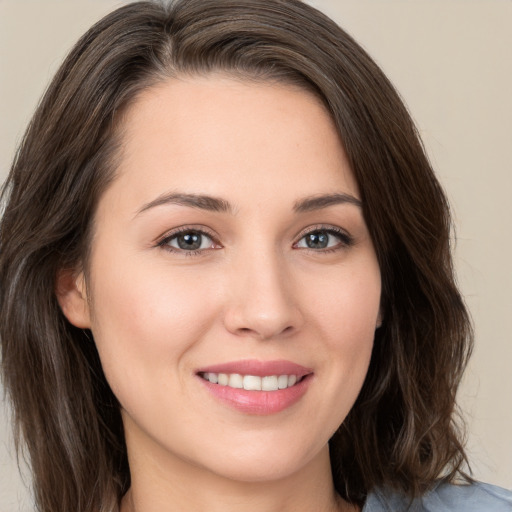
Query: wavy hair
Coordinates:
[402,430]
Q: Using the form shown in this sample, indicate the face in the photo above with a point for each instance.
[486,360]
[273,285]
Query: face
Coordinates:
[230,252]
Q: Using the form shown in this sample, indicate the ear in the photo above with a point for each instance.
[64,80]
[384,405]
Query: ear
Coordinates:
[72,297]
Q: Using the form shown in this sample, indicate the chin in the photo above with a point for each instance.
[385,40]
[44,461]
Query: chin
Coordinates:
[258,472]
[266,465]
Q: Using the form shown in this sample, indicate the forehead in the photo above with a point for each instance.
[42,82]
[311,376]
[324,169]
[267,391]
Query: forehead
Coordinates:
[218,135]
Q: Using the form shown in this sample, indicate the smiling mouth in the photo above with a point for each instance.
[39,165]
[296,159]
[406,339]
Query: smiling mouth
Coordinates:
[252,382]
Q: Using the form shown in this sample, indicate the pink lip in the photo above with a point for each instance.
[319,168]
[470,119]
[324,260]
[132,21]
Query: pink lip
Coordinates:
[259,402]
[258,368]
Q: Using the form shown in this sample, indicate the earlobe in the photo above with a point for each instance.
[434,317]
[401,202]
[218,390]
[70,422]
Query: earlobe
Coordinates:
[379,319]
[72,297]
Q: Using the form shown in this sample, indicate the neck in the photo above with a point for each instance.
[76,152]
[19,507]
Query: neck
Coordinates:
[173,484]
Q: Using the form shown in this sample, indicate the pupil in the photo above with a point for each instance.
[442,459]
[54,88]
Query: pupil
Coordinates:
[317,240]
[189,241]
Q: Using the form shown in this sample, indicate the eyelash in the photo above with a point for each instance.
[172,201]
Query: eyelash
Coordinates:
[345,239]
[164,243]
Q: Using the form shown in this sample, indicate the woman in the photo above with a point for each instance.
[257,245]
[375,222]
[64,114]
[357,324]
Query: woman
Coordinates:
[225,261]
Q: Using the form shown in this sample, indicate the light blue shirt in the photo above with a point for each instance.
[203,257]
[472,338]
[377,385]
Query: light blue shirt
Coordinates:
[477,497]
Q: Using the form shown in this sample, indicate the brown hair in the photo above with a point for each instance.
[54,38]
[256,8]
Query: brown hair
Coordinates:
[401,431]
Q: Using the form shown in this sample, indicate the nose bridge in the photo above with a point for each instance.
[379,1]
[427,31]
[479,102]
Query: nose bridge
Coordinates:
[261,300]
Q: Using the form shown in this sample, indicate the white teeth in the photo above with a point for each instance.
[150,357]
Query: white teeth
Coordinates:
[269,383]
[282,381]
[212,377]
[236,381]
[251,382]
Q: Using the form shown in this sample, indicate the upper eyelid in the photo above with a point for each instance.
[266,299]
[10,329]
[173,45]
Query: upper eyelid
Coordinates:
[321,227]
[345,239]
[207,231]
[185,229]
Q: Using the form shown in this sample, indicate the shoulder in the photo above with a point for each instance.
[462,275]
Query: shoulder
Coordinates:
[477,497]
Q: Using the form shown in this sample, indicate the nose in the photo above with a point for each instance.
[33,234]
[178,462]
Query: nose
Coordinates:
[262,303]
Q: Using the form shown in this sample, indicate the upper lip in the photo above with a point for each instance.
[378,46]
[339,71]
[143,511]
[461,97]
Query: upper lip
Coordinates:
[258,368]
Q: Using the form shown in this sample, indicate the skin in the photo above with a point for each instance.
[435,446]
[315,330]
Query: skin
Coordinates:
[254,290]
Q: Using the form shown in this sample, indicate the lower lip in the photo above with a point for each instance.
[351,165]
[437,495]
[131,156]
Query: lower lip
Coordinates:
[258,402]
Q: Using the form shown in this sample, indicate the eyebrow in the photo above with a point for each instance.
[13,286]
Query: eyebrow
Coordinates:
[202,202]
[216,204]
[320,201]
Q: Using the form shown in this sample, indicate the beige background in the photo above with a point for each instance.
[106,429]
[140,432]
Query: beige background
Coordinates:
[451,60]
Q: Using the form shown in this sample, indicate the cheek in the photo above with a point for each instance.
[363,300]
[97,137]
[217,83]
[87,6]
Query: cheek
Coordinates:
[347,303]
[146,318]
[345,316]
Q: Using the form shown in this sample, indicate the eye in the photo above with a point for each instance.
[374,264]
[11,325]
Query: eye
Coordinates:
[188,241]
[325,238]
